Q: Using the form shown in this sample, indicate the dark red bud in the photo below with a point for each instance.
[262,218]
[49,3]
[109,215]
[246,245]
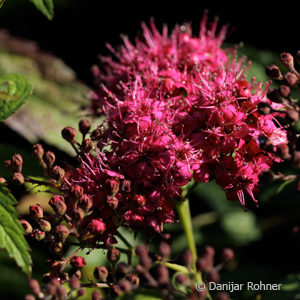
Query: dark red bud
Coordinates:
[287,60]
[96,295]
[113,186]
[164,250]
[26,225]
[126,186]
[97,226]
[292,115]
[141,250]
[284,91]
[69,134]
[62,231]
[139,200]
[36,211]
[125,285]
[44,225]
[290,78]
[124,268]
[49,158]
[78,213]
[58,204]
[213,276]
[74,283]
[86,202]
[101,273]
[61,292]
[18,178]
[87,146]
[163,275]
[222,296]
[97,134]
[264,108]
[57,173]
[283,151]
[273,72]
[38,151]
[84,126]
[146,261]
[34,287]
[76,192]
[81,293]
[29,297]
[113,255]
[181,278]
[77,262]
[202,263]
[112,202]
[298,57]
[17,162]
[227,255]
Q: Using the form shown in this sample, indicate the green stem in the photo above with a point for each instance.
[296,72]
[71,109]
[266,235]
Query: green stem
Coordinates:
[183,210]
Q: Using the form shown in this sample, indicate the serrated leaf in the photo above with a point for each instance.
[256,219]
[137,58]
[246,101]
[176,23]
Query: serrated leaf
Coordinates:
[45,6]
[12,233]
[14,89]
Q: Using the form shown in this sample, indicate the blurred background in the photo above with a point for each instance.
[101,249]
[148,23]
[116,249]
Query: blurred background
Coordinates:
[57,61]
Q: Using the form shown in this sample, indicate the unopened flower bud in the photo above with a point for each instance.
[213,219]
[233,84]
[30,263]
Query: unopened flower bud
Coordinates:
[69,134]
[227,255]
[86,202]
[29,297]
[39,235]
[26,225]
[298,57]
[34,287]
[134,279]
[87,146]
[56,247]
[126,186]
[113,254]
[62,231]
[296,158]
[76,192]
[213,276]
[124,268]
[81,293]
[163,275]
[113,186]
[141,250]
[112,202]
[202,263]
[222,296]
[97,226]
[290,78]
[292,115]
[264,108]
[273,72]
[18,178]
[84,126]
[44,225]
[57,173]
[78,213]
[186,258]
[96,295]
[8,165]
[287,60]
[58,204]
[36,211]
[125,285]
[38,151]
[283,151]
[17,163]
[61,292]
[181,278]
[164,250]
[49,158]
[139,200]
[77,262]
[101,273]
[275,96]
[74,283]
[285,91]
[51,289]
[97,134]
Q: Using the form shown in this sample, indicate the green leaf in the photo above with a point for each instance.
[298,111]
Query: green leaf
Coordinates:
[12,233]
[14,89]
[1,3]
[45,6]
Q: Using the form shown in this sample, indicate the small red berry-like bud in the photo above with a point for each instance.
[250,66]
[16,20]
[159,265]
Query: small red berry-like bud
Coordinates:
[146,261]
[38,151]
[227,255]
[287,60]
[78,213]
[290,78]
[49,158]
[51,289]
[97,134]
[113,186]
[124,268]
[74,283]
[36,211]
[292,115]
[69,134]
[285,91]
[56,247]
[222,296]
[125,285]
[62,231]
[164,250]
[8,165]
[58,204]
[26,225]
[275,96]
[264,108]
[112,202]
[113,254]
[96,295]
[87,146]
[181,278]
[283,151]
[18,178]
[273,72]
[39,235]
[35,287]
[126,186]
[296,158]
[141,250]
[186,257]
[77,262]
[139,200]
[101,273]
[81,293]
[97,226]
[163,275]
[76,192]
[61,292]
[134,279]
[29,297]
[17,162]
[213,276]
[84,126]
[86,202]
[57,173]
[202,263]
[44,225]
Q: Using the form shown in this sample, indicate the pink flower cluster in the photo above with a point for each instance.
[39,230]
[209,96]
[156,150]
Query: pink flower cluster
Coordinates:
[177,110]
